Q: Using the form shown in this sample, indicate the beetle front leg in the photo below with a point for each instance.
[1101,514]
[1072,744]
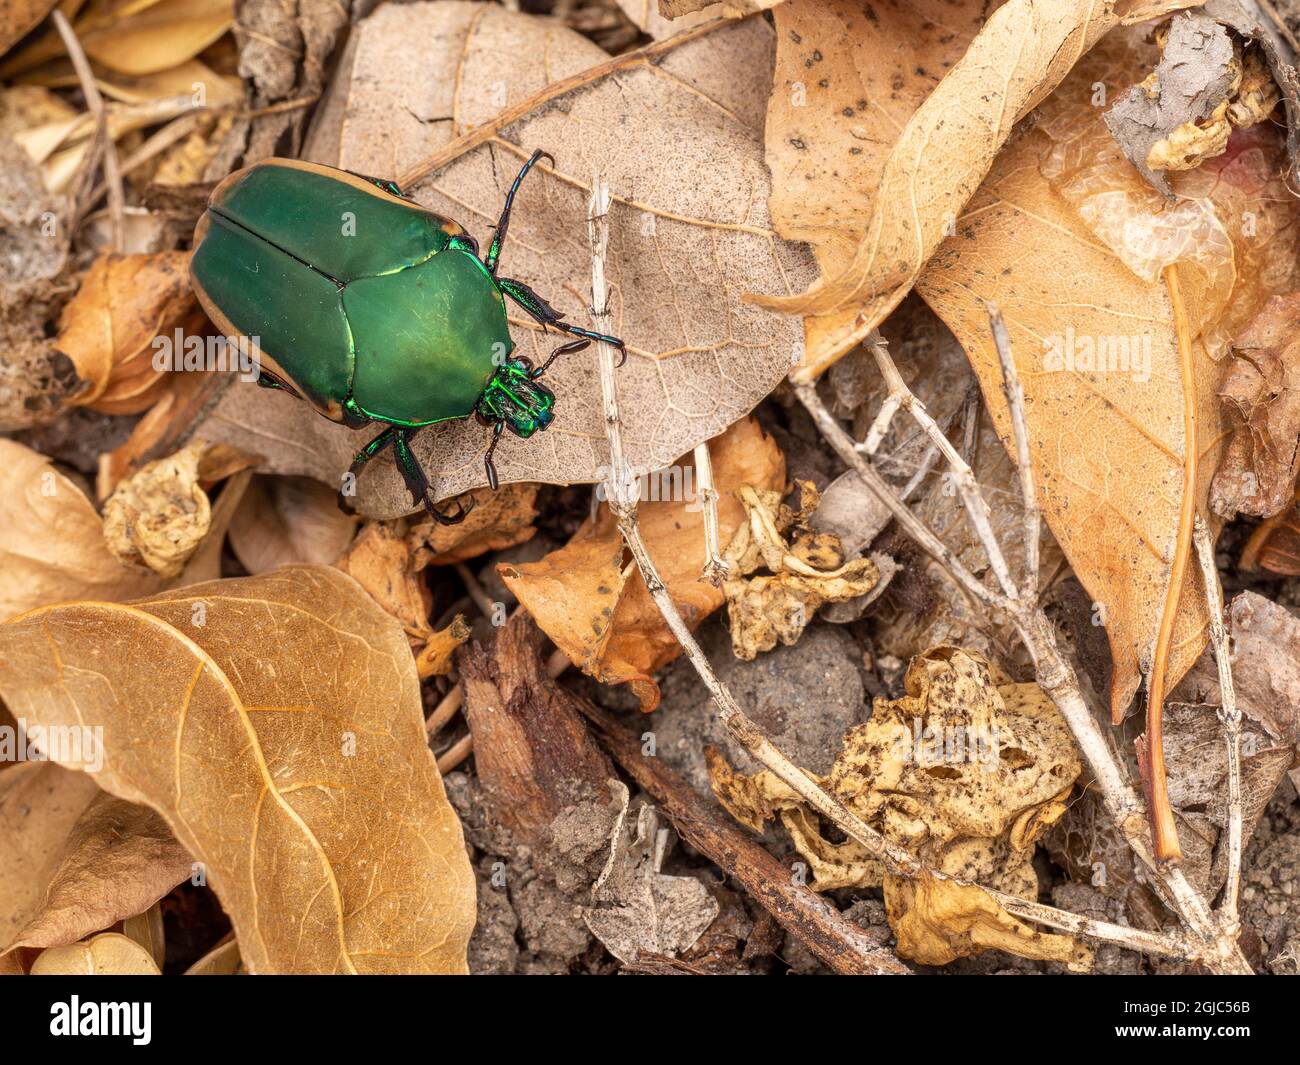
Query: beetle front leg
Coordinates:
[543,312]
[563,349]
[487,457]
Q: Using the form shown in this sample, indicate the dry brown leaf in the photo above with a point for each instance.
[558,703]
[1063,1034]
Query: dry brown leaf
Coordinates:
[937,152]
[40,803]
[967,771]
[135,38]
[679,141]
[599,613]
[275,723]
[221,960]
[1261,391]
[147,930]
[19,17]
[285,521]
[805,571]
[498,520]
[1274,546]
[381,561]
[125,303]
[1116,307]
[107,954]
[52,541]
[118,859]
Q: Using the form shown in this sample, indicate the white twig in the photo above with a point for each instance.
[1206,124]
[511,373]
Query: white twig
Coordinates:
[976,508]
[1206,941]
[622,500]
[1229,714]
[715,566]
[95,103]
[1015,396]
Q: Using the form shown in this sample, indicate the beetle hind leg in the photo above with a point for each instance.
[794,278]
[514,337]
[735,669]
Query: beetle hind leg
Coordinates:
[503,223]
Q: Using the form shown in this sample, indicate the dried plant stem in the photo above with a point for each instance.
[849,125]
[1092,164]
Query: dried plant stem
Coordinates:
[621,494]
[715,567]
[95,103]
[1206,941]
[1229,714]
[456,753]
[1015,397]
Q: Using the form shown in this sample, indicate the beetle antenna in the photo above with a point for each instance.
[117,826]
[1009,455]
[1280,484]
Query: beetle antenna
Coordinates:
[503,223]
[487,458]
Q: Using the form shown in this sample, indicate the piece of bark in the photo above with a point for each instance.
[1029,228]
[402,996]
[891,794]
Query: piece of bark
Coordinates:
[533,754]
[841,945]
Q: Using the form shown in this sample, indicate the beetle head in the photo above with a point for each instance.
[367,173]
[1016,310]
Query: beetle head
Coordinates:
[515,397]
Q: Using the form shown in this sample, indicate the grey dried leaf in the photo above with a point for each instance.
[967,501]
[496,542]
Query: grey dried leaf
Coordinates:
[679,142]
[638,907]
[1193,79]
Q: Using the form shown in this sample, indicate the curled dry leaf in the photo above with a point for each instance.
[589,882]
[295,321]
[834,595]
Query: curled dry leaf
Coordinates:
[140,38]
[285,521]
[52,545]
[157,518]
[498,520]
[117,860]
[1274,546]
[638,908]
[1261,391]
[1206,85]
[1117,307]
[938,152]
[804,571]
[593,604]
[967,770]
[275,724]
[18,18]
[124,305]
[677,136]
[147,930]
[107,954]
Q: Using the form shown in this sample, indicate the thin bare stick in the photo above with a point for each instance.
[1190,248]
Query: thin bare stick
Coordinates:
[95,103]
[622,500]
[715,566]
[1229,714]
[445,710]
[1057,678]
[1015,396]
[964,478]
[456,753]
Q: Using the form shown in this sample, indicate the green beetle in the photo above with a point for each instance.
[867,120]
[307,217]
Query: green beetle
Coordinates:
[371,308]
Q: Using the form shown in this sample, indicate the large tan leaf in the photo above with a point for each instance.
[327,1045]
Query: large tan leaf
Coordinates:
[275,724]
[18,17]
[677,136]
[1114,304]
[942,151]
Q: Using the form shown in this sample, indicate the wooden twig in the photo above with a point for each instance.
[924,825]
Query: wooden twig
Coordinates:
[797,908]
[95,104]
[1015,397]
[1229,714]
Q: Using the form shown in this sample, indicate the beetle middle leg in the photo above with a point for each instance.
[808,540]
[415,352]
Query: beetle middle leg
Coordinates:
[543,312]
[417,483]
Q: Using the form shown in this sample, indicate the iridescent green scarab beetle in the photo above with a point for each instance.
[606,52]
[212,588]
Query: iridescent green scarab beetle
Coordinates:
[371,308]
